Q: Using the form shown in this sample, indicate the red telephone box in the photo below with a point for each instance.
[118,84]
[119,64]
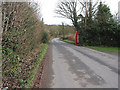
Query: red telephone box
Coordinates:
[77,37]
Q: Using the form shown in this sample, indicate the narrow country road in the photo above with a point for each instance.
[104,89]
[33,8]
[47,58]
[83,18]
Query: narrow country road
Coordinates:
[80,67]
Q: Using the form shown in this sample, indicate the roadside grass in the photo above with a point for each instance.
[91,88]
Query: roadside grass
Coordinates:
[32,72]
[106,49]
[25,83]
[68,41]
[38,61]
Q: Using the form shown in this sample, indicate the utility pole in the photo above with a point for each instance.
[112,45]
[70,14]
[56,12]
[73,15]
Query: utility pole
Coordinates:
[63,30]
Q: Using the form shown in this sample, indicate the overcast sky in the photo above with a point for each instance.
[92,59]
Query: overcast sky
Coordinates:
[48,7]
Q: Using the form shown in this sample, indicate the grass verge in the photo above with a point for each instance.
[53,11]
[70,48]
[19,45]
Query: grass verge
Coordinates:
[106,49]
[68,41]
[38,61]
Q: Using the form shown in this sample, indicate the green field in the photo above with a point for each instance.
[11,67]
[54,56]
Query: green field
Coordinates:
[107,49]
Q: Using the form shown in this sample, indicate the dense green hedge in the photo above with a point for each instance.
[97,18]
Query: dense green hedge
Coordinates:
[44,37]
[21,43]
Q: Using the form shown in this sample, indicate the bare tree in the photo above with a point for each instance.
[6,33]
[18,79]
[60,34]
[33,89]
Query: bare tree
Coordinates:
[76,10]
[68,9]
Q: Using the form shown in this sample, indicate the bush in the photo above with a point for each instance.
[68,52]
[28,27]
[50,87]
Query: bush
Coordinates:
[44,37]
[21,39]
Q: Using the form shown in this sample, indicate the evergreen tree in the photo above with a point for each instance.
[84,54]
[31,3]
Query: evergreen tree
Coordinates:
[105,25]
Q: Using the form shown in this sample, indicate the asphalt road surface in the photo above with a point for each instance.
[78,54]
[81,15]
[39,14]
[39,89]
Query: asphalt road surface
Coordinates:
[80,67]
